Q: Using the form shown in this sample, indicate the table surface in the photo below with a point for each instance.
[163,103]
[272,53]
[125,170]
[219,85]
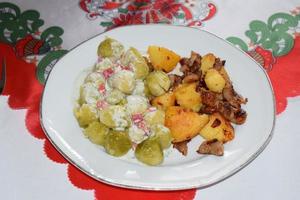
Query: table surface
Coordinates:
[31,169]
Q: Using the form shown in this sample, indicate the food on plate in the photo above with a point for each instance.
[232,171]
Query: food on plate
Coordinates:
[123,80]
[158,82]
[214,80]
[214,147]
[117,143]
[187,96]
[96,132]
[182,147]
[149,152]
[217,128]
[183,123]
[162,134]
[135,60]
[85,115]
[134,102]
[163,58]
[110,48]
[164,101]
[207,62]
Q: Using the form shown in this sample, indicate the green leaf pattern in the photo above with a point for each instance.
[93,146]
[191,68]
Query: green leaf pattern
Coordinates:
[275,35]
[15,25]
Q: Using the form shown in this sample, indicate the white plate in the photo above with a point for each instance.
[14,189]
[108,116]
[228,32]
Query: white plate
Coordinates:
[177,172]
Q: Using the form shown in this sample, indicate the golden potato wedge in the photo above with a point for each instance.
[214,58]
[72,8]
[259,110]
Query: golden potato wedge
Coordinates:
[187,97]
[225,75]
[184,124]
[217,128]
[207,62]
[214,80]
[163,58]
[164,101]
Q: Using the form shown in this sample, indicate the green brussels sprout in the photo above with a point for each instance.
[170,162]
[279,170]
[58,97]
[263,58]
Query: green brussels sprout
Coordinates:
[134,59]
[136,134]
[123,102]
[104,64]
[115,97]
[114,116]
[81,99]
[123,81]
[85,115]
[162,134]
[96,132]
[158,82]
[136,104]
[155,117]
[94,77]
[110,48]
[149,152]
[147,91]
[117,143]
[89,93]
[139,88]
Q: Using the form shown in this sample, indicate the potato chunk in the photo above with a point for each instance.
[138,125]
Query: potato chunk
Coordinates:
[184,124]
[187,97]
[217,128]
[207,62]
[163,58]
[164,101]
[214,81]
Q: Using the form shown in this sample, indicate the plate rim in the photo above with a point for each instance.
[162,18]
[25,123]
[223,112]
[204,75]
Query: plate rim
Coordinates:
[198,185]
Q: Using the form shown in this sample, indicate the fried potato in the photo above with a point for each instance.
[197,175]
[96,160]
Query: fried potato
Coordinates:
[207,62]
[187,97]
[162,58]
[214,80]
[164,101]
[184,124]
[217,128]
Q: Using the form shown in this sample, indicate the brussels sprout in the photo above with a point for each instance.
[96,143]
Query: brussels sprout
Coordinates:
[117,143]
[140,69]
[158,83]
[155,117]
[94,77]
[104,64]
[110,48]
[139,88]
[162,134]
[123,102]
[147,91]
[123,81]
[136,104]
[114,117]
[136,134]
[115,97]
[96,132]
[134,59]
[85,115]
[89,93]
[149,152]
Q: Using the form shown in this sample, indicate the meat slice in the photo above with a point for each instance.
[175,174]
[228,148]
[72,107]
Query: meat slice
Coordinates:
[214,102]
[175,80]
[232,97]
[213,147]
[182,147]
